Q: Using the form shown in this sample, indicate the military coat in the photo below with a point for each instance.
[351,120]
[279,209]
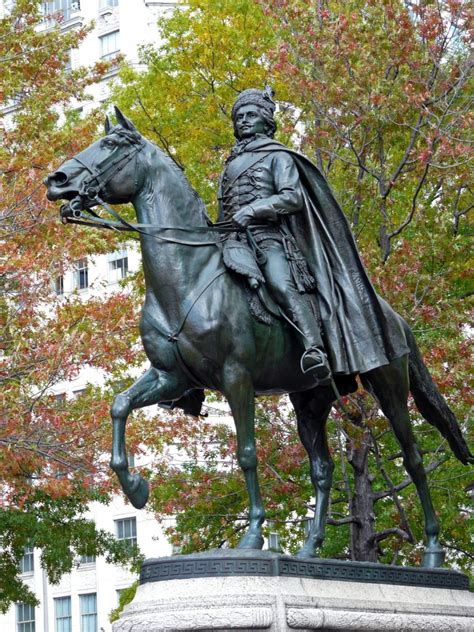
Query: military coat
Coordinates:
[287,191]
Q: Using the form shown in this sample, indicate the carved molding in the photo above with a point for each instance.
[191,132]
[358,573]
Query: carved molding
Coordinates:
[353,621]
[272,565]
[263,618]
[198,619]
[108,20]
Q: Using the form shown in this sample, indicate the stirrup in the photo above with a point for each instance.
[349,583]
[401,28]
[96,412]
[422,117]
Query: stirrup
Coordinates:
[321,362]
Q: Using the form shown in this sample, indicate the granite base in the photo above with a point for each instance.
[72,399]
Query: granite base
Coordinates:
[251,590]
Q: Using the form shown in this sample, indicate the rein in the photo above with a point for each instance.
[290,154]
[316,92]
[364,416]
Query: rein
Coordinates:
[72,214]
[73,211]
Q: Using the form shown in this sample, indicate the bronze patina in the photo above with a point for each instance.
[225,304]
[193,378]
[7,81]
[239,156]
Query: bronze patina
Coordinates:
[281,228]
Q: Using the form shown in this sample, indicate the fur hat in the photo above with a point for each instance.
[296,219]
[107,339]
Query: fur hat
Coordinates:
[261,98]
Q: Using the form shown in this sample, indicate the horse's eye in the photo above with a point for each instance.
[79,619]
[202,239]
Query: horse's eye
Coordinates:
[108,142]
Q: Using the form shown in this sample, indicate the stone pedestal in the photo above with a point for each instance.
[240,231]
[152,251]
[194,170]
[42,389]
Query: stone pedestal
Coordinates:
[236,590]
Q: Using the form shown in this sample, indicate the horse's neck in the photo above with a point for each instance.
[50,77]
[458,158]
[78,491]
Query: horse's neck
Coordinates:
[166,197]
[171,270]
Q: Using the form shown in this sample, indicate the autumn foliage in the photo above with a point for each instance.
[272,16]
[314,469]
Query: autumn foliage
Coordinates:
[51,450]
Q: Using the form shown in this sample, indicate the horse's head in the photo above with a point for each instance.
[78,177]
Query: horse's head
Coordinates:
[107,169]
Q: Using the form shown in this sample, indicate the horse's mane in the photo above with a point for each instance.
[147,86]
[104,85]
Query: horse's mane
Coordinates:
[134,136]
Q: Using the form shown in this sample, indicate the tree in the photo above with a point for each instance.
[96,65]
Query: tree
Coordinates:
[51,451]
[380,92]
[383,94]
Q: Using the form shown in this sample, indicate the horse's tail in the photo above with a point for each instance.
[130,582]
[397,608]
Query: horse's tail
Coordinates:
[431,403]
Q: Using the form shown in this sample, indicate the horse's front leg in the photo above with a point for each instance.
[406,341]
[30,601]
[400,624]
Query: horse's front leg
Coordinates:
[240,395]
[152,387]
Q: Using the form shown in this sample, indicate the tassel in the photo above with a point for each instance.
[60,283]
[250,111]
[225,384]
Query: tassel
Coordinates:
[304,280]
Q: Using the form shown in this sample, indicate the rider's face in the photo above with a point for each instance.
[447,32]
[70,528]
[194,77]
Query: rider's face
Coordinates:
[248,122]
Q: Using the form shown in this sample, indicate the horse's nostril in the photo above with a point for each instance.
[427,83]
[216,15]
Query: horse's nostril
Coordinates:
[59,178]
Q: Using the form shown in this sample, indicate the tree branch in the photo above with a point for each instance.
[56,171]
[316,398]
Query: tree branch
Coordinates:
[381,535]
[405,483]
[163,140]
[410,215]
[340,521]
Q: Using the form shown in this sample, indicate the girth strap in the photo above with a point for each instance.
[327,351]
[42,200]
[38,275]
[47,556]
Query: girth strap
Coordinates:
[173,337]
[195,296]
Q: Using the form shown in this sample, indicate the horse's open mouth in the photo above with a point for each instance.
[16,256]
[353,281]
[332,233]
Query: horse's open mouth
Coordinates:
[55,192]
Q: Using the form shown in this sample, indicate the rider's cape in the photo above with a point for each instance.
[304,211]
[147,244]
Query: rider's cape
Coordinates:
[360,330]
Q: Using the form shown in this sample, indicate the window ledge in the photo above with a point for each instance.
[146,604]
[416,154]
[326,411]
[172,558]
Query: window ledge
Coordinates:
[156,3]
[74,20]
[108,10]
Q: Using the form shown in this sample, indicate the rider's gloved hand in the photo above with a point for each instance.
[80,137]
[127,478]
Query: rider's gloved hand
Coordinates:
[244,217]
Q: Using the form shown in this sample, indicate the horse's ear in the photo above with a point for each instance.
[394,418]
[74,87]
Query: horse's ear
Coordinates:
[107,125]
[124,121]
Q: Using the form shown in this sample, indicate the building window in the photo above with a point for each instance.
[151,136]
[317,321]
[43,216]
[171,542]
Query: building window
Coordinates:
[62,613]
[88,613]
[25,617]
[108,3]
[81,275]
[126,529]
[118,268]
[109,45]
[87,559]
[60,7]
[27,564]
[59,285]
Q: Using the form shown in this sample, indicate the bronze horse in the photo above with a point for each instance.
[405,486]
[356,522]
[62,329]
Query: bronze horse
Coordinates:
[197,332]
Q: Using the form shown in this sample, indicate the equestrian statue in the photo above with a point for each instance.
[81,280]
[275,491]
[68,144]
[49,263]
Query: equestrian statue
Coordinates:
[273,298]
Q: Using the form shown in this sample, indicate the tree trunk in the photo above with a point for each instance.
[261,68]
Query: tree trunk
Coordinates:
[363,542]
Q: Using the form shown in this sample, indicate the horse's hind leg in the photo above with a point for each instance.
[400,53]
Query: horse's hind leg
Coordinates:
[390,385]
[312,409]
[152,387]
[238,389]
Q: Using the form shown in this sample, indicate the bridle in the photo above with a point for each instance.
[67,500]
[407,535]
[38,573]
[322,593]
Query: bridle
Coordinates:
[73,212]
[116,165]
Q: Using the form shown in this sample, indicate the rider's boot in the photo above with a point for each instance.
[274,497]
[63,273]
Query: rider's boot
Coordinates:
[314,358]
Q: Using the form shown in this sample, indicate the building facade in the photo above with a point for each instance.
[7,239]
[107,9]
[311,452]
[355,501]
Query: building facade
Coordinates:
[84,598]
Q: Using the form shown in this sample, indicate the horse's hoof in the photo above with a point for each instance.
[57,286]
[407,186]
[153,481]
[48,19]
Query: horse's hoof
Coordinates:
[251,541]
[433,559]
[139,496]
